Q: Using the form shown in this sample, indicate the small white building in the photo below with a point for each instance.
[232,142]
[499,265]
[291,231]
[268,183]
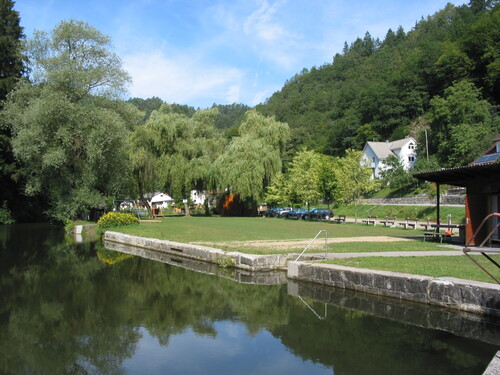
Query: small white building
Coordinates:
[198,197]
[376,154]
[161,200]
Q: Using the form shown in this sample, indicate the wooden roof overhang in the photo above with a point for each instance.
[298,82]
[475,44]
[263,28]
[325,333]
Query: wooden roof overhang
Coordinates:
[462,176]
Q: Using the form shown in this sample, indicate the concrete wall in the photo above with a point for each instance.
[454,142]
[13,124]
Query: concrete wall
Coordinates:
[464,295]
[460,323]
[417,200]
[237,275]
[207,254]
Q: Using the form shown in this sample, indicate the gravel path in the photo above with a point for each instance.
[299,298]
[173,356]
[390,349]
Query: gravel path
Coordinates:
[387,254]
[302,242]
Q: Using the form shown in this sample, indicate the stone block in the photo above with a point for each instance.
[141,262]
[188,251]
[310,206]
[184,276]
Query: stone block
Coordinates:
[458,294]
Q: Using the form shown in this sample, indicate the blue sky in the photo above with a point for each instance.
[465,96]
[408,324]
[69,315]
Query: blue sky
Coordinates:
[200,52]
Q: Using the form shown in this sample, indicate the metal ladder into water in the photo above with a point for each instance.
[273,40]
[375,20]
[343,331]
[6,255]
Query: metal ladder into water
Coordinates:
[481,248]
[310,243]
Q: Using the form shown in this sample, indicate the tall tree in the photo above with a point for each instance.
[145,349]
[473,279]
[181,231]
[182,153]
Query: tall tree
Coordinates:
[143,164]
[11,70]
[304,177]
[11,58]
[462,124]
[176,153]
[352,177]
[251,161]
[77,58]
[70,141]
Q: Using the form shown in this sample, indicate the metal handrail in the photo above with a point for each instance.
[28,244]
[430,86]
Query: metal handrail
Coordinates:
[314,312]
[307,247]
[487,238]
[479,228]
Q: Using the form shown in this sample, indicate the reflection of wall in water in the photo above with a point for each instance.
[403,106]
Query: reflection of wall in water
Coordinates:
[459,323]
[238,275]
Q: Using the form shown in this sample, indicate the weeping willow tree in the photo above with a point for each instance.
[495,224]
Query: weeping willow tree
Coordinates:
[251,161]
[143,163]
[176,153]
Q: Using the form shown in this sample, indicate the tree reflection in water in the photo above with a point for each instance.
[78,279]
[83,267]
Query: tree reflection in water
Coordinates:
[76,309]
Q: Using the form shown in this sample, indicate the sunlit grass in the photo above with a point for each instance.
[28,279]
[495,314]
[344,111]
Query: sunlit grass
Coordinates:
[435,266]
[218,229]
[340,247]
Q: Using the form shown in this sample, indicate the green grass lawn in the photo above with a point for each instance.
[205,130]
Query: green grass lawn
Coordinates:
[219,229]
[362,247]
[225,229]
[436,266]
[318,247]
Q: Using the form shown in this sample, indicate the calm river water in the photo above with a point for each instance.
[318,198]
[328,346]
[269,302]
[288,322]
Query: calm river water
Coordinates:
[68,308]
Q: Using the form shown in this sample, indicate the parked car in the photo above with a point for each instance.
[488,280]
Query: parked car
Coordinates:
[269,212]
[283,211]
[276,212]
[296,213]
[318,214]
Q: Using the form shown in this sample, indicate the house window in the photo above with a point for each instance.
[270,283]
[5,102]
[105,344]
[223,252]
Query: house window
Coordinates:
[411,158]
[411,146]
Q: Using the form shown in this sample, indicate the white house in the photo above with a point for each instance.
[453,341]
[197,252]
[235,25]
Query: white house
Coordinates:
[161,200]
[376,153]
[198,197]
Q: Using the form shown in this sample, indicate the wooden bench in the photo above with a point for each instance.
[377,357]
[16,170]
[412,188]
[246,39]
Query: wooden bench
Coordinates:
[410,222]
[340,219]
[371,220]
[390,221]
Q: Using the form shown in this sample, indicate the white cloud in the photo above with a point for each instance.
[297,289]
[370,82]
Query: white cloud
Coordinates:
[270,37]
[261,24]
[260,97]
[181,79]
[233,94]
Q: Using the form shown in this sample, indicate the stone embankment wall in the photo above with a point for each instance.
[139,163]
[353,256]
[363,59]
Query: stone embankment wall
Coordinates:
[449,200]
[207,254]
[239,275]
[464,295]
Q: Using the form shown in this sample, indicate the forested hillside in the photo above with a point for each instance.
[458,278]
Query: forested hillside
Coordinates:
[442,76]
[69,145]
[229,116]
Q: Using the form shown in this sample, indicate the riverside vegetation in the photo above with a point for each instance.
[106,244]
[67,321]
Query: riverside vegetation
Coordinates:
[70,144]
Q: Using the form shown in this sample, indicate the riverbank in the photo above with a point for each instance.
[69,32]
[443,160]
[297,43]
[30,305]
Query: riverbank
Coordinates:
[464,295]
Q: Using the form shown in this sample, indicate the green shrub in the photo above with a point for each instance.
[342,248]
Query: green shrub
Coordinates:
[5,215]
[115,219]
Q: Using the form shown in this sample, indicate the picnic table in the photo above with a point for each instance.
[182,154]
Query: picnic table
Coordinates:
[410,222]
[371,220]
[390,221]
[340,219]
[441,236]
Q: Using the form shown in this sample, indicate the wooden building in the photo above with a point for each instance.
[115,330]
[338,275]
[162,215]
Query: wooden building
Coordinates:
[481,179]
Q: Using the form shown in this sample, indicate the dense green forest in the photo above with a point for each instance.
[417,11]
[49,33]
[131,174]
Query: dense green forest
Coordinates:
[70,143]
[443,76]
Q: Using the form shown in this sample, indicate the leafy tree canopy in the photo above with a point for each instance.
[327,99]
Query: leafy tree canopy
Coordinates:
[77,58]
[251,161]
[70,143]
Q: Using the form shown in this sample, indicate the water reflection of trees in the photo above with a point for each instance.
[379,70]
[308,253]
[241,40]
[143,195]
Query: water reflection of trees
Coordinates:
[69,312]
